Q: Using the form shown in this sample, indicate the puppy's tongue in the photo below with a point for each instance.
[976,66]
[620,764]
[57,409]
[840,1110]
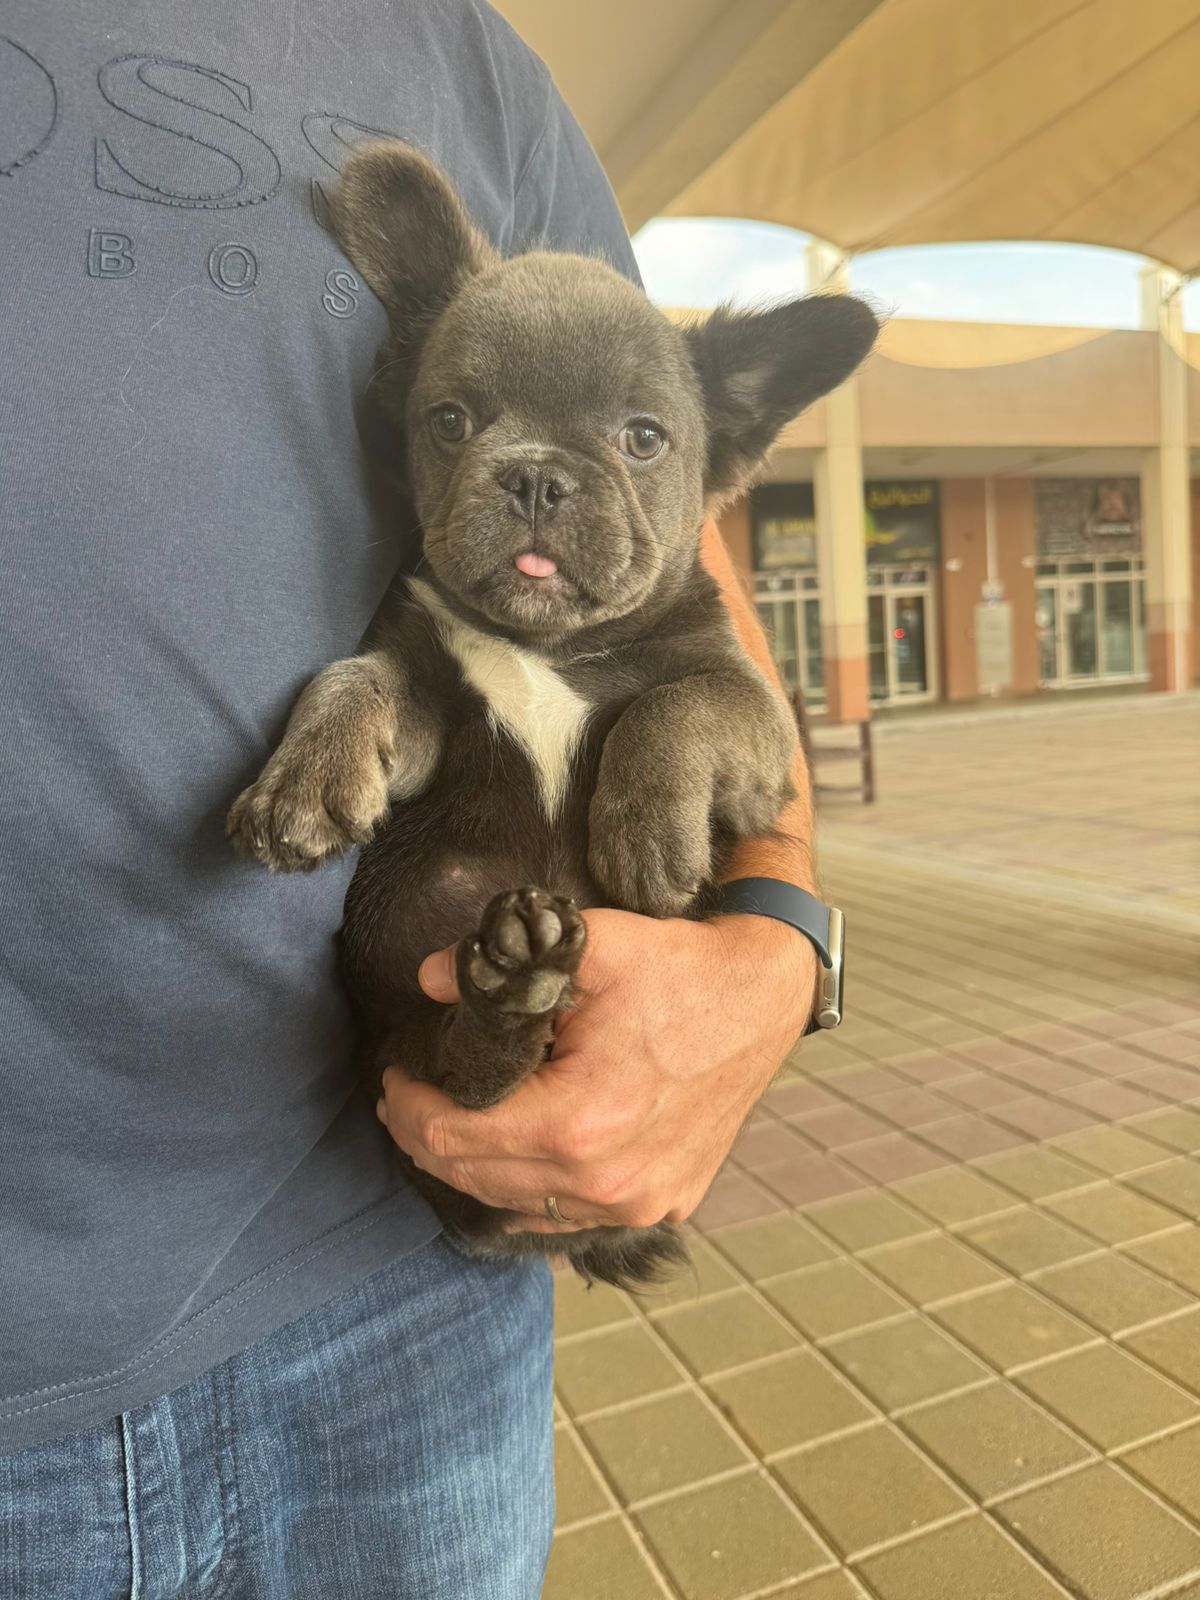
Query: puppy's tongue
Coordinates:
[536,566]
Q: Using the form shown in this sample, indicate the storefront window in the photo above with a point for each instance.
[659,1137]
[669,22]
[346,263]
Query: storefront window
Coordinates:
[1090,602]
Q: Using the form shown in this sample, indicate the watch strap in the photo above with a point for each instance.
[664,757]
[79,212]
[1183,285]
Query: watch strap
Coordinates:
[786,902]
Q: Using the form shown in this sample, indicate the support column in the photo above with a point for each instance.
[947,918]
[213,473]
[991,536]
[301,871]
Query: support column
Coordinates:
[841,549]
[1166,494]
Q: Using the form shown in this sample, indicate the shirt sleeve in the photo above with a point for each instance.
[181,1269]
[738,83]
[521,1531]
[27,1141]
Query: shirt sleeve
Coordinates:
[564,200]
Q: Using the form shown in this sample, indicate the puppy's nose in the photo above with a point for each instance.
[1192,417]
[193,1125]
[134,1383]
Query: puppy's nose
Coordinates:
[535,489]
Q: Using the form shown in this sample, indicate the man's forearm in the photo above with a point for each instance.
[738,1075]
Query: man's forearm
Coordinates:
[788,856]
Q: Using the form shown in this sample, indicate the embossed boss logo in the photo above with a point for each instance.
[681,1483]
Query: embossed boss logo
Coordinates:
[177,136]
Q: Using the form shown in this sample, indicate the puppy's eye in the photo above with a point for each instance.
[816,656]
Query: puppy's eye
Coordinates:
[642,440]
[452,424]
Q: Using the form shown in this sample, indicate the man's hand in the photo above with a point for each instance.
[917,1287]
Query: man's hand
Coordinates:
[680,1029]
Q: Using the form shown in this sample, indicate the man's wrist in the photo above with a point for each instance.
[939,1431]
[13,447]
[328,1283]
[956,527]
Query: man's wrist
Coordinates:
[772,958]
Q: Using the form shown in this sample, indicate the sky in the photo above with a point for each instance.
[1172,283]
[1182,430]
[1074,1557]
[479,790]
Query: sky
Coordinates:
[700,261]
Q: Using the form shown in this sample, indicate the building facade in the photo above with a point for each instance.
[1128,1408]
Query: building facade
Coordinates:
[1009,503]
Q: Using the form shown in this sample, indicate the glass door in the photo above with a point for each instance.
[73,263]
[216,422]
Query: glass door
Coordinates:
[900,635]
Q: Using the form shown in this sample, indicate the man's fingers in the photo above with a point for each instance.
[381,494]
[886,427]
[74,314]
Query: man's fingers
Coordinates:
[527,1125]
[436,976]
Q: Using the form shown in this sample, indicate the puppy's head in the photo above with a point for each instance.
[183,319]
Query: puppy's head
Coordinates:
[564,439]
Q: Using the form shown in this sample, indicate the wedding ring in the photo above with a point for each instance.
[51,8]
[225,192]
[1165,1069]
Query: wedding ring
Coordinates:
[554,1213]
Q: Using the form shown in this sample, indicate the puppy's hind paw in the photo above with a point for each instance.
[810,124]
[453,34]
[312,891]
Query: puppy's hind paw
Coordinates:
[525,954]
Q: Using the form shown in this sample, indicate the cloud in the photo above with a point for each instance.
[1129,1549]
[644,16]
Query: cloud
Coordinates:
[701,261]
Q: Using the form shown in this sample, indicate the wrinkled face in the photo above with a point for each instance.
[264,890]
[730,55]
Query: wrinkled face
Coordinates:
[564,438]
[556,445]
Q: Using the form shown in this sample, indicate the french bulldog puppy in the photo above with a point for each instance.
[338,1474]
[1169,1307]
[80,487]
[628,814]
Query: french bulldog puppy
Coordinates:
[554,713]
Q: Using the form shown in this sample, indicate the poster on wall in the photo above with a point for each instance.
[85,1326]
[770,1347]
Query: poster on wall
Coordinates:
[902,524]
[1087,517]
[785,527]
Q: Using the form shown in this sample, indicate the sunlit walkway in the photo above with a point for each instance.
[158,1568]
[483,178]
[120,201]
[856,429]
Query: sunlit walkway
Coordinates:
[945,1339]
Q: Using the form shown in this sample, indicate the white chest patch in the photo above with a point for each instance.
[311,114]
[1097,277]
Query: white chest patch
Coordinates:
[525,697]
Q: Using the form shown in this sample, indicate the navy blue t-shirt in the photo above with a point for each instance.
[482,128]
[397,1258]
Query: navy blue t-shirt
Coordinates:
[189,529]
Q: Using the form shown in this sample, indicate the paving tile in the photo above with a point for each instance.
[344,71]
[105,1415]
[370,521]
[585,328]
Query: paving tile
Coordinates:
[1175,1255]
[863,1220]
[1172,1466]
[1177,1184]
[933,1268]
[836,1126]
[721,1333]
[709,1274]
[807,1179]
[1177,1126]
[1173,1347]
[830,1586]
[1108,1539]
[930,1068]
[1110,1101]
[787,1402]
[1171,1044]
[577,1491]
[1112,1024]
[1026,1240]
[1113,1214]
[1012,1326]
[1106,1395]
[981,1091]
[734,1197]
[1109,1060]
[969,1560]
[790,1099]
[868,1488]
[1038,1118]
[1037,1173]
[907,1108]
[959,1195]
[1111,1293]
[827,1300]
[893,1157]
[1169,1081]
[621,1364]
[901,1363]
[729,1539]
[770,1142]
[1052,1036]
[969,1136]
[775,1244]
[996,1052]
[1048,1076]
[994,1440]
[601,1562]
[578,1307]
[1111,1150]
[859,1082]
[662,1445]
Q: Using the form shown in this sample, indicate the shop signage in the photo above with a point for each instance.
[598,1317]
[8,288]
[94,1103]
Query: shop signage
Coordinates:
[1087,517]
[902,524]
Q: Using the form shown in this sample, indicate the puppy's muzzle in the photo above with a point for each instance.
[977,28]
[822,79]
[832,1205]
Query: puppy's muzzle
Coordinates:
[535,489]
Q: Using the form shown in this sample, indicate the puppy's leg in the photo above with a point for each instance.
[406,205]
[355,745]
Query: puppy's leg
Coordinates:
[514,977]
[709,752]
[355,742]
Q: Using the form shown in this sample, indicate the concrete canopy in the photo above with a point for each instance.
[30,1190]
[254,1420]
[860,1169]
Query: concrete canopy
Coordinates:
[903,122]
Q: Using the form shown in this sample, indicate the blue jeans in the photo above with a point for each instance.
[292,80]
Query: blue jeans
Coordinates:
[396,1442]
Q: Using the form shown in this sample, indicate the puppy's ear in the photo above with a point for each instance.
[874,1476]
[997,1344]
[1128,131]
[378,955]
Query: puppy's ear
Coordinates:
[402,224]
[759,369]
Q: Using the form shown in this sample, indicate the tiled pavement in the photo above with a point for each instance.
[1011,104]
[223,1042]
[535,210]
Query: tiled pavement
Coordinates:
[943,1341]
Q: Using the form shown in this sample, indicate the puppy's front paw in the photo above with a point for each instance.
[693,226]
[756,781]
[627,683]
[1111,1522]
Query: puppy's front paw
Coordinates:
[652,856]
[310,805]
[525,954]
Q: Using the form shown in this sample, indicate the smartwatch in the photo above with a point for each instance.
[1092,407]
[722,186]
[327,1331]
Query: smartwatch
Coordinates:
[824,926]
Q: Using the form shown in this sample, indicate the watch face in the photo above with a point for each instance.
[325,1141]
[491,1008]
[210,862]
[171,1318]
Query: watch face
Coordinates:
[828,1010]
